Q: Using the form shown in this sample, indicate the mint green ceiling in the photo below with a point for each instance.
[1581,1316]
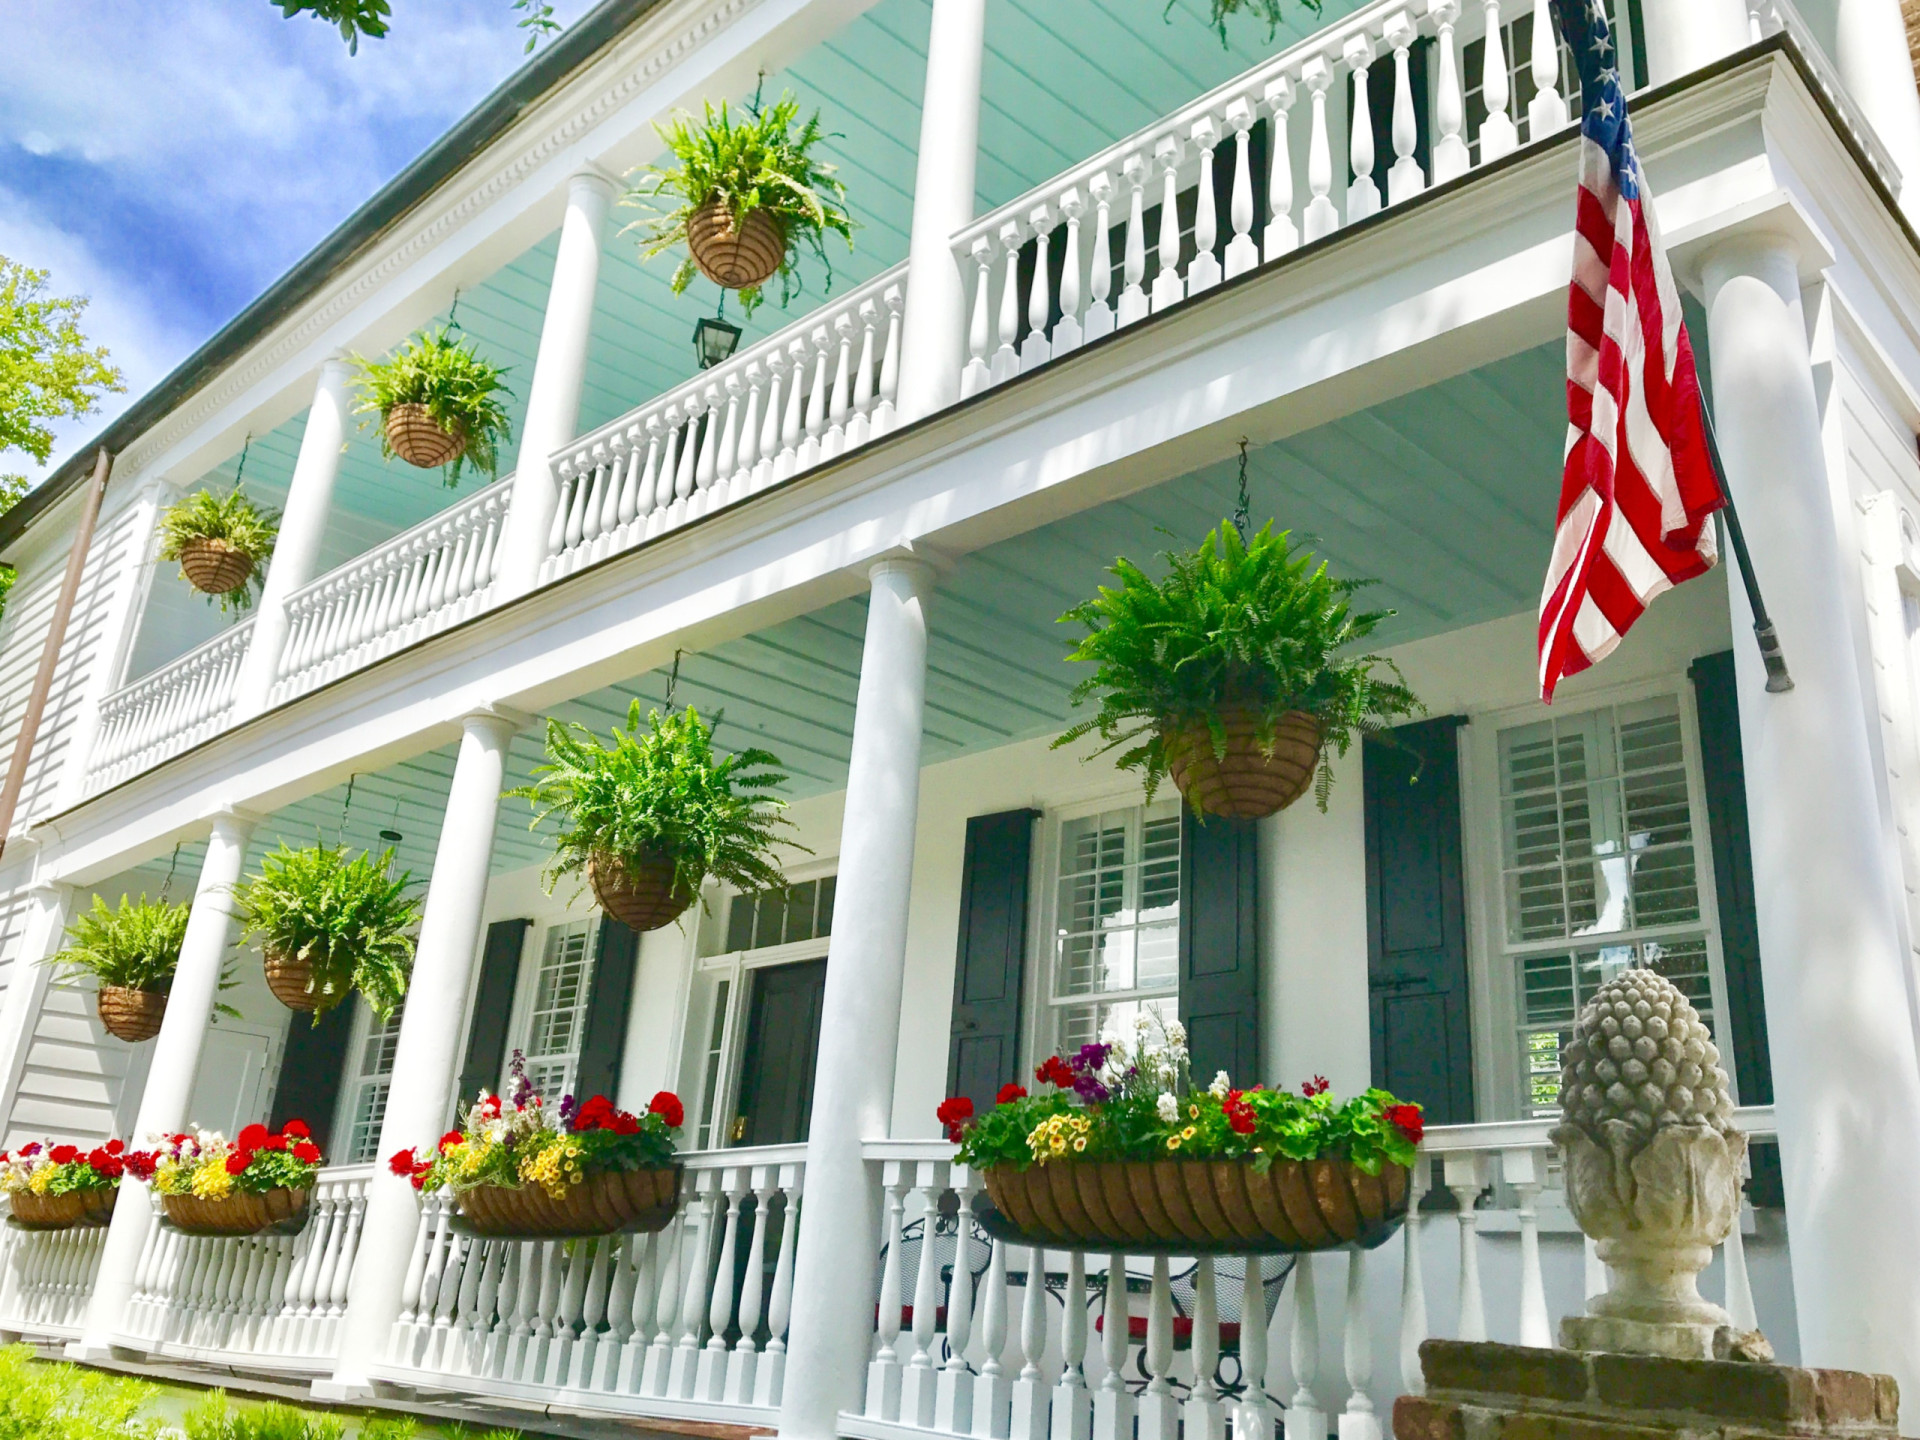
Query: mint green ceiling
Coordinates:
[1062,79]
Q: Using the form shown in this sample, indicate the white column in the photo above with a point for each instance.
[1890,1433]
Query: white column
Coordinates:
[933,338]
[1684,35]
[834,1284]
[1838,1015]
[176,1061]
[427,1056]
[303,526]
[559,370]
[1870,51]
[27,978]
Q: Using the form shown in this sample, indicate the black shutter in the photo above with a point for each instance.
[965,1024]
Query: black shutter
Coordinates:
[990,968]
[1416,920]
[492,1009]
[312,1070]
[1220,946]
[614,962]
[1724,772]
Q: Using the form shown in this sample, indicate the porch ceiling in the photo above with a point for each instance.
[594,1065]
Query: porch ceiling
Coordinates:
[1043,57]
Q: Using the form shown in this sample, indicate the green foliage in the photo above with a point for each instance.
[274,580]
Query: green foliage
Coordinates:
[230,516]
[214,1418]
[462,392]
[41,1401]
[660,790]
[47,370]
[758,162]
[136,945]
[345,914]
[354,18]
[12,487]
[1232,624]
[536,18]
[1223,10]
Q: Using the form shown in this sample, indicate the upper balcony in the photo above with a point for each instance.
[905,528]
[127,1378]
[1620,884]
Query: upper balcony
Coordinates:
[1243,156]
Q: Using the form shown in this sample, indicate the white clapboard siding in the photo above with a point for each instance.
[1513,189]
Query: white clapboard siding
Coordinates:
[75,1077]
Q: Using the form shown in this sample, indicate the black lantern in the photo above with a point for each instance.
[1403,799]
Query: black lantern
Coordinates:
[714,340]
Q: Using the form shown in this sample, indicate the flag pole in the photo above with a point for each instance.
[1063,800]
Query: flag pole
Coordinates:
[1778,680]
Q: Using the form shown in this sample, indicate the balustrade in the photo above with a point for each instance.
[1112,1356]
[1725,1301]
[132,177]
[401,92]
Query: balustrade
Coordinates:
[821,387]
[170,710]
[46,1280]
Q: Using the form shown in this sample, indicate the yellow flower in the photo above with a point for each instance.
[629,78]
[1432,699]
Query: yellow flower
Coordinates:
[1193,1113]
[40,1180]
[1053,1135]
[211,1180]
[1173,1142]
[1080,1144]
[1189,1132]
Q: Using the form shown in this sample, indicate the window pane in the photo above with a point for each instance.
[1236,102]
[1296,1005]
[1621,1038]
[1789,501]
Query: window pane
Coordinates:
[559,1008]
[370,1082]
[1117,919]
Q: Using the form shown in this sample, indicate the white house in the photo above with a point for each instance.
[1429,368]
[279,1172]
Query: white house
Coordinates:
[1098,248]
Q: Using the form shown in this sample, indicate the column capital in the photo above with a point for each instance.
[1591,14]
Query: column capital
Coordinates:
[590,175]
[1774,223]
[499,721]
[236,820]
[338,362]
[917,570]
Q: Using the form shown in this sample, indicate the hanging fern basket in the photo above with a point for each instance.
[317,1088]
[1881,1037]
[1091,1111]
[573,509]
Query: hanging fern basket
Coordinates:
[213,567]
[1246,783]
[76,1210]
[628,1202]
[291,981]
[240,1213]
[417,438]
[735,259]
[129,1014]
[641,894]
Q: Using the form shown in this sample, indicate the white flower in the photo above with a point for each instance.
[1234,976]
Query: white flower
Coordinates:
[1169,1109]
[1221,1085]
[1176,1034]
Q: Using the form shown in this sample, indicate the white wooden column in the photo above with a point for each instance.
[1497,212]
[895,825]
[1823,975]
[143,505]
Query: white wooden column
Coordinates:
[48,909]
[303,526]
[1870,51]
[834,1283]
[176,1061]
[559,372]
[1684,35]
[1838,1013]
[427,1055]
[933,339]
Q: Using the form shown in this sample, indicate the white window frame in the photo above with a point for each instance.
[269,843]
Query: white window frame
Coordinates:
[1495,992]
[1037,1004]
[351,1082]
[527,982]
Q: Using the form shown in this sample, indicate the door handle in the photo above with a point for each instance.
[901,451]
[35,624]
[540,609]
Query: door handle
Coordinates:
[738,1131]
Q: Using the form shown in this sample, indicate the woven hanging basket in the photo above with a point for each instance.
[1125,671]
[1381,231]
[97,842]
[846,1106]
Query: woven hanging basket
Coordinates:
[1246,784]
[213,567]
[416,437]
[78,1209]
[735,259]
[289,978]
[129,1014]
[631,1202]
[642,894]
[1200,1206]
[240,1213]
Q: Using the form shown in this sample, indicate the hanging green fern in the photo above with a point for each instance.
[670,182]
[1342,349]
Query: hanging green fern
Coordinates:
[347,915]
[230,517]
[136,945]
[461,390]
[1223,10]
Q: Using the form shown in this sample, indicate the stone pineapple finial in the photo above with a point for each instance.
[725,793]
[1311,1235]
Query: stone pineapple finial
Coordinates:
[1652,1166]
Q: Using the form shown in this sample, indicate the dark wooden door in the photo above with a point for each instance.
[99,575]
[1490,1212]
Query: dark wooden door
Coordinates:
[783,1041]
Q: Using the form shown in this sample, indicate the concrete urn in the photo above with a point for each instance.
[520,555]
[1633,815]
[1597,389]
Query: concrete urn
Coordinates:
[1652,1162]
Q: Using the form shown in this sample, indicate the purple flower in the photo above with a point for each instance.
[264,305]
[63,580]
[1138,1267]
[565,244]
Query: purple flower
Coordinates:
[1090,1090]
[1091,1058]
[566,1108]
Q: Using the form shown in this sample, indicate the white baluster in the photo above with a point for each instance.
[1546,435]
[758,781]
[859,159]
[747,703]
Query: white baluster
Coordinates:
[610,500]
[1027,1411]
[684,484]
[883,410]
[1159,1411]
[657,1377]
[712,1384]
[646,1281]
[1035,350]
[1525,1171]
[1203,271]
[707,469]
[992,1392]
[630,483]
[750,426]
[729,458]
[811,448]
[592,1311]
[1305,1420]
[1099,317]
[1133,299]
[954,1389]
[763,467]
[1406,179]
[1113,1407]
[1204,1416]
[918,1385]
[1413,1285]
[647,496]
[840,399]
[883,1371]
[1072,1415]
[1006,358]
[1253,1417]
[1363,194]
[860,422]
[1466,1177]
[699,1243]
[1243,253]
[1167,287]
[1547,111]
[978,374]
[740,1366]
[773,1364]
[793,425]
[526,1296]
[493,1299]
[1322,218]
[1498,134]
[1450,154]
[1358,1421]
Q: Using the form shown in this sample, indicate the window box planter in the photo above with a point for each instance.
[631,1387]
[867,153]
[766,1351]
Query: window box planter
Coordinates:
[615,1202]
[131,1014]
[76,1210]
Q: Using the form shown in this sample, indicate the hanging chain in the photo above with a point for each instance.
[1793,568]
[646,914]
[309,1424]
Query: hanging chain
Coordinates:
[673,679]
[1242,512]
[759,84]
[166,886]
[453,312]
[346,809]
[241,469]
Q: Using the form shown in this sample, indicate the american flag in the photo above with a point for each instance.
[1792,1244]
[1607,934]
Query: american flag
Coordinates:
[1639,485]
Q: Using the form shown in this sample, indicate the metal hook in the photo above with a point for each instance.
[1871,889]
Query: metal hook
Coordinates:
[1243,511]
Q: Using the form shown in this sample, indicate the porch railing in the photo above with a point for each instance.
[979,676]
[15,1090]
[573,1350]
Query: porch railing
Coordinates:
[47,1281]
[978,1338]
[818,388]
[269,1301]
[173,709]
[689,1324]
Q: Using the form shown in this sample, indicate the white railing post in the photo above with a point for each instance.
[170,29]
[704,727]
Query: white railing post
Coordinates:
[1133,298]
[1525,1171]
[1006,359]
[884,1370]
[1413,1287]
[773,1364]
[1067,333]
[1547,111]
[1035,350]
[1203,1416]
[1498,134]
[696,1268]
[1252,1417]
[1159,1411]
[917,1386]
[1100,317]
[1113,1407]
[978,374]
[954,1389]
[1322,218]
[1282,234]
[1466,1174]
[1243,253]
[1358,1421]
[741,1366]
[1203,271]
[1027,1417]
[1305,1419]
[1363,194]
[1406,179]
[713,1360]
[1072,1415]
[1168,288]
[992,1393]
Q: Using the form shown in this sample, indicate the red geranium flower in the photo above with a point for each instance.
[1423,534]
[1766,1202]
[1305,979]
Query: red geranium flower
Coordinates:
[238,1161]
[274,1142]
[1316,1086]
[1055,1072]
[1408,1120]
[141,1164]
[451,1139]
[296,1130]
[253,1137]
[1009,1093]
[114,1147]
[306,1152]
[64,1154]
[953,1115]
[668,1107]
[402,1163]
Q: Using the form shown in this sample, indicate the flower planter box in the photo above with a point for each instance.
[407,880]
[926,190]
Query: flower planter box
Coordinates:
[1196,1207]
[416,437]
[129,1014]
[241,1213]
[631,1202]
[1245,783]
[213,567]
[76,1210]
[291,980]
[735,259]
[642,895]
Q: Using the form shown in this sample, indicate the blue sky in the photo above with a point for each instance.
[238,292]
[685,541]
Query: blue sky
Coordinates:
[170,158]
